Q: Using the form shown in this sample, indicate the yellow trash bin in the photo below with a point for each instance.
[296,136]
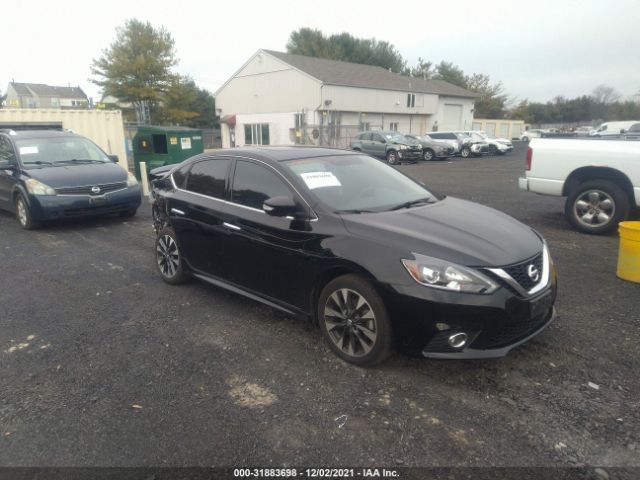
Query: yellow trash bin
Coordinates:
[629,253]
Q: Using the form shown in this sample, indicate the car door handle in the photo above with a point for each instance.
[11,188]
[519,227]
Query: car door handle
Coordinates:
[177,212]
[231,226]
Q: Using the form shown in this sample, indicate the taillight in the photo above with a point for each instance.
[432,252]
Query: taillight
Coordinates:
[527,165]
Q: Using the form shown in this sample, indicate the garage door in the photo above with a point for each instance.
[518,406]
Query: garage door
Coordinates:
[452,117]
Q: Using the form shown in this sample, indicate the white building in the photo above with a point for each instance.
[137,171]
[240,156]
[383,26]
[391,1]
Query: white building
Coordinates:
[281,99]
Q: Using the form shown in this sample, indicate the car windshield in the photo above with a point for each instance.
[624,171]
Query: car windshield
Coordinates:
[424,138]
[358,183]
[395,137]
[36,152]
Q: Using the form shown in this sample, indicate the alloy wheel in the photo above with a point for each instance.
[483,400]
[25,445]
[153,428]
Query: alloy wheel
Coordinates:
[350,322]
[428,155]
[22,212]
[168,256]
[594,208]
[392,158]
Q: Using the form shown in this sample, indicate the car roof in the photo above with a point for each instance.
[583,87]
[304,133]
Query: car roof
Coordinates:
[283,153]
[33,134]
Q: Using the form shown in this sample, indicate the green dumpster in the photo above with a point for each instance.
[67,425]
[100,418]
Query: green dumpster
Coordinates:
[158,146]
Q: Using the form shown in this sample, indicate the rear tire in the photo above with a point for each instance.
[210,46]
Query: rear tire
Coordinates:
[23,214]
[169,258]
[493,150]
[597,206]
[354,320]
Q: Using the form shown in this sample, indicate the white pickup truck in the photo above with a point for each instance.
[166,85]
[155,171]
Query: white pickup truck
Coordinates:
[600,178]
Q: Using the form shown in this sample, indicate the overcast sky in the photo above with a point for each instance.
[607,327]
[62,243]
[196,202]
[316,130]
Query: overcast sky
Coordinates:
[537,49]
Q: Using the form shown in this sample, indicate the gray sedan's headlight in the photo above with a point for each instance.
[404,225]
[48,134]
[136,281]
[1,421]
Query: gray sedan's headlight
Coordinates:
[436,273]
[38,188]
[402,147]
[132,181]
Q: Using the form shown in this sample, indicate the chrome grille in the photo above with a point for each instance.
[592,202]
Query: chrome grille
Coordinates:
[86,190]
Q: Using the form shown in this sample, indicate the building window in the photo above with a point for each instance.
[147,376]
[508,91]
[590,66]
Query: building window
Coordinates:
[393,126]
[365,126]
[411,100]
[256,134]
[298,119]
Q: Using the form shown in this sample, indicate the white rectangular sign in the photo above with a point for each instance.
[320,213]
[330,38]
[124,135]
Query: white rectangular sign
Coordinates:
[320,179]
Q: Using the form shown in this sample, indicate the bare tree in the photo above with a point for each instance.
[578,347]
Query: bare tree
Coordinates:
[605,94]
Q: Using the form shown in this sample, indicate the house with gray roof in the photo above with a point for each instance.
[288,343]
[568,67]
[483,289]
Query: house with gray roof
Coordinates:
[39,95]
[280,99]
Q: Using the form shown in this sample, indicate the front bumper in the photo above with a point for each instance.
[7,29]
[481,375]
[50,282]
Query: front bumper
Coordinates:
[54,207]
[425,318]
[409,154]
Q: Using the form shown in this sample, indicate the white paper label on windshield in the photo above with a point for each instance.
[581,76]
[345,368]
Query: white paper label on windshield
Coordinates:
[320,179]
[28,150]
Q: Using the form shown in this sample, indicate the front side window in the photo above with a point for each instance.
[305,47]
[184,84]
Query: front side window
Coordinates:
[6,151]
[209,177]
[180,175]
[253,184]
[356,183]
[256,134]
[38,152]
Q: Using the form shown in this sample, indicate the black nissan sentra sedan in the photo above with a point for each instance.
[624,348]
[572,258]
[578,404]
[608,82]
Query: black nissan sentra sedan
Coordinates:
[50,175]
[374,257]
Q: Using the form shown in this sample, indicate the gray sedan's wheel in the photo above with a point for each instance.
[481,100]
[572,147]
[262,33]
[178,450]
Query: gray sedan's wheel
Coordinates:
[465,152]
[597,206]
[392,157]
[354,320]
[428,154]
[169,258]
[23,214]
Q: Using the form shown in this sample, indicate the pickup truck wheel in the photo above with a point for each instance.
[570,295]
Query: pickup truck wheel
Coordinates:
[597,206]
[392,157]
[465,152]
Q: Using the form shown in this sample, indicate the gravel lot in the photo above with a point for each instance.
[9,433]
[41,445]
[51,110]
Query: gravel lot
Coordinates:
[101,363]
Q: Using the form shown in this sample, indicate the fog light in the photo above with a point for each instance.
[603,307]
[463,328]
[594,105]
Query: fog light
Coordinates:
[458,340]
[442,326]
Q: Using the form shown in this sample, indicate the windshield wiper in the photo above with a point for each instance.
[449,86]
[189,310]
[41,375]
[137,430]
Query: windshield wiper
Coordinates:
[355,210]
[79,160]
[413,203]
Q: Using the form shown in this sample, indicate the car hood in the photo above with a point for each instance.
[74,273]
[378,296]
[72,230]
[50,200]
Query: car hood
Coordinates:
[452,229]
[79,175]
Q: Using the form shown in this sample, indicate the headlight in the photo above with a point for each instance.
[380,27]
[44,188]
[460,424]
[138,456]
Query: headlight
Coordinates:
[132,181]
[436,273]
[402,147]
[38,188]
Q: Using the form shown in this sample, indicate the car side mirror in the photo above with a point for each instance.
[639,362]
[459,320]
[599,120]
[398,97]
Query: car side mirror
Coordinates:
[113,158]
[6,165]
[281,207]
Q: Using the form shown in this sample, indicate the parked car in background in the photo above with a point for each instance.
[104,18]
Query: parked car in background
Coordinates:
[472,144]
[49,175]
[532,133]
[612,129]
[392,146]
[449,138]
[371,256]
[497,145]
[601,180]
[632,133]
[583,131]
[433,149]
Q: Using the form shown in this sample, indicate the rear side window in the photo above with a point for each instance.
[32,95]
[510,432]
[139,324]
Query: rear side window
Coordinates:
[208,177]
[6,150]
[253,184]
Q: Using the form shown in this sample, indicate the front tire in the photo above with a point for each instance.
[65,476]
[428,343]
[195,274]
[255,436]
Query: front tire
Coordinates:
[429,154]
[24,215]
[597,206]
[392,157]
[354,320]
[493,150]
[465,152]
[169,258]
